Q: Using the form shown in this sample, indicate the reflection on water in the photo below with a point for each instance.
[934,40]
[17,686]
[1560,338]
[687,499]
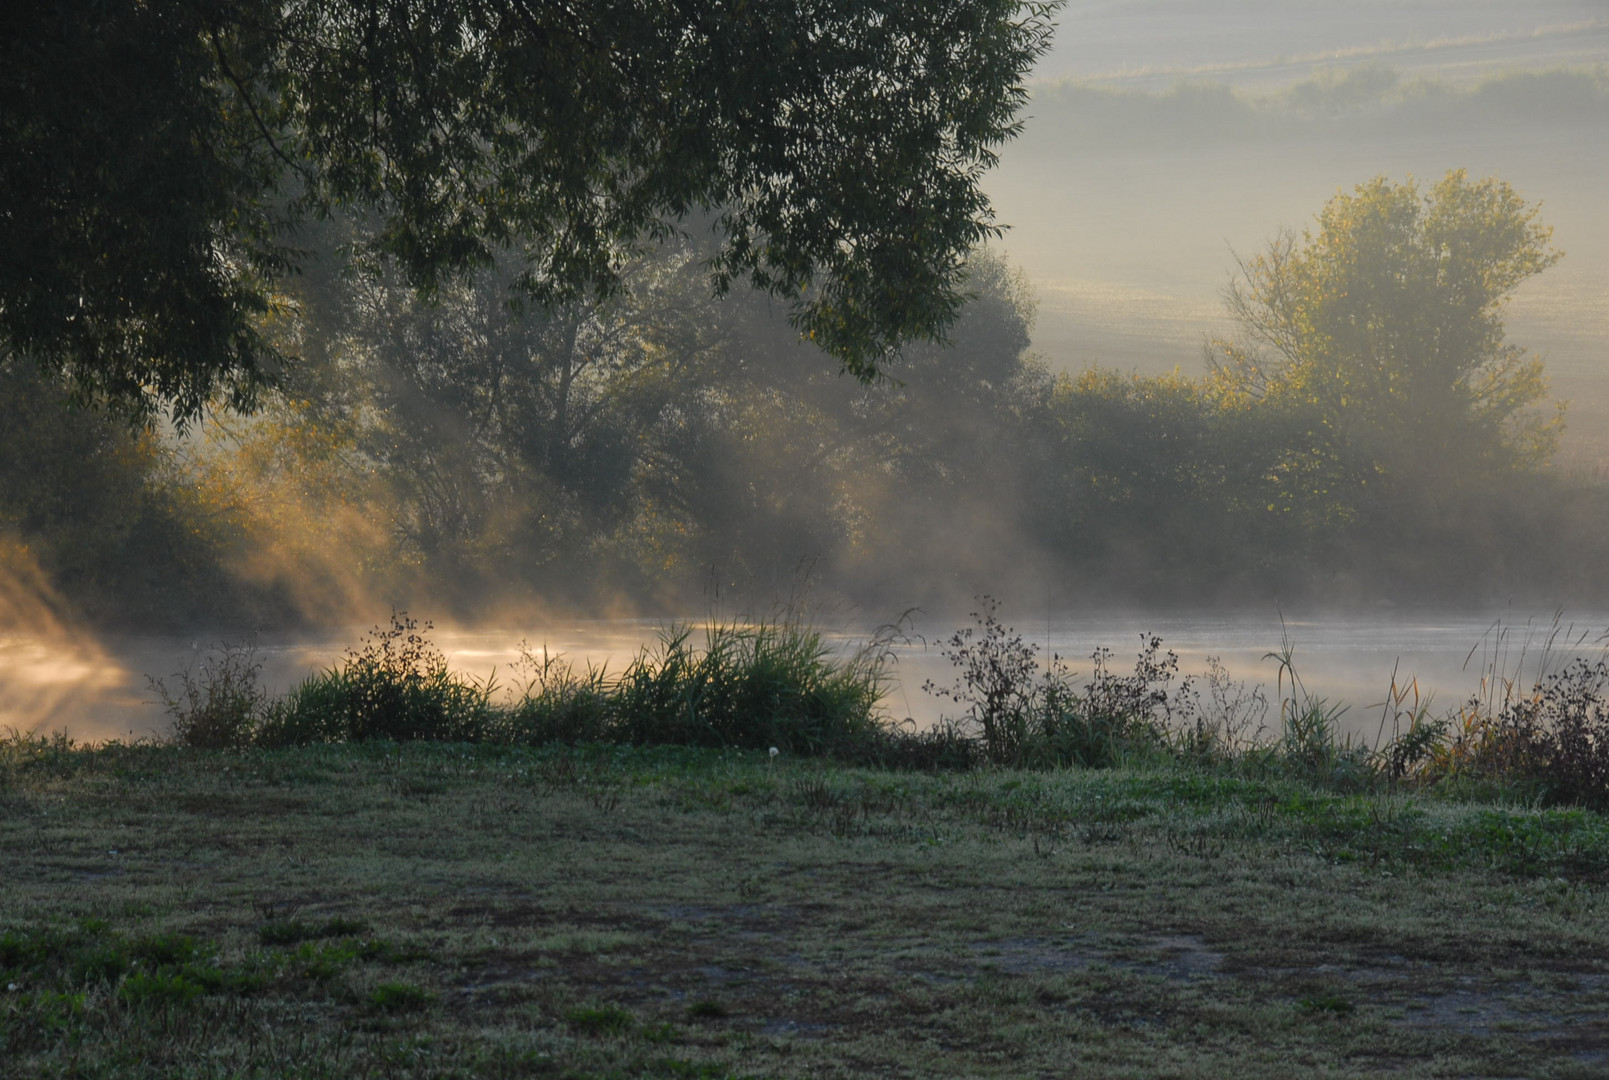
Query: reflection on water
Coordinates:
[99,690]
[96,691]
[48,683]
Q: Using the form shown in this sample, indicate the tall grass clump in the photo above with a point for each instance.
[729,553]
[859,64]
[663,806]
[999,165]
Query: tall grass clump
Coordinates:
[774,683]
[558,703]
[770,684]
[752,687]
[1311,745]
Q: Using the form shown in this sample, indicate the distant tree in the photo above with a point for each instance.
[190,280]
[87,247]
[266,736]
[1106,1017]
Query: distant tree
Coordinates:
[1158,484]
[154,157]
[1385,327]
[643,443]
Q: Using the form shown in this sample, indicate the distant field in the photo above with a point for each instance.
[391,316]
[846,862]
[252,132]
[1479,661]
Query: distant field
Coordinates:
[1150,43]
[1126,205]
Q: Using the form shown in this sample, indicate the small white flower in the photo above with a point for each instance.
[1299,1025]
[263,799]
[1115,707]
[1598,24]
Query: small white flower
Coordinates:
[774,751]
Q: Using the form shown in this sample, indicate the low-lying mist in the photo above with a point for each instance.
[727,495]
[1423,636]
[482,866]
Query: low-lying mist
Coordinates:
[650,453]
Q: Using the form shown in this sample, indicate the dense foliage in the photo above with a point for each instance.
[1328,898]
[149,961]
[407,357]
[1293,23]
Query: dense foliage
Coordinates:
[155,158]
[1371,434]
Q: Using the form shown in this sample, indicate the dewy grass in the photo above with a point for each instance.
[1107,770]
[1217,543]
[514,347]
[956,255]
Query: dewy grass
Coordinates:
[607,1020]
[778,685]
[478,911]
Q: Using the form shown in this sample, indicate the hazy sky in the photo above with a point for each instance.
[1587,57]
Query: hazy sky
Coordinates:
[1131,41]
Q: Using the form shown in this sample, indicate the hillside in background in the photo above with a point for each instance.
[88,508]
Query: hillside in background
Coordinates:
[1165,139]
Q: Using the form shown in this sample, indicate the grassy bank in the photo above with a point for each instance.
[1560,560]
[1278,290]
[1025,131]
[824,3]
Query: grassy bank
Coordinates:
[778,686]
[430,909]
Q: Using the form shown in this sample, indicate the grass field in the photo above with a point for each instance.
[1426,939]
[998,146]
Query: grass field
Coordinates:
[440,910]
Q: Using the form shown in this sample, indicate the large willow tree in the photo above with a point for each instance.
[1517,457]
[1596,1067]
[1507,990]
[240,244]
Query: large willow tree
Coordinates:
[155,156]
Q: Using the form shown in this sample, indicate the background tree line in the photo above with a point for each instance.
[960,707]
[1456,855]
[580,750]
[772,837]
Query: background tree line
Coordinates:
[1369,434]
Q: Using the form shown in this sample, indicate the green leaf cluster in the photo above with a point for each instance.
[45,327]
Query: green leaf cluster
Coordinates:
[156,158]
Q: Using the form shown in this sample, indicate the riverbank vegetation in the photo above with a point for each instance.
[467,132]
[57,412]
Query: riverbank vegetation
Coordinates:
[723,862]
[640,452]
[778,687]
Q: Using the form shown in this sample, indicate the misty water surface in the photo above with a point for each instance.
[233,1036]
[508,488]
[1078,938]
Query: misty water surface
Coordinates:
[98,691]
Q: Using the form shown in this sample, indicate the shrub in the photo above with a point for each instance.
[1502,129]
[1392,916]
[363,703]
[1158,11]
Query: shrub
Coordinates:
[1117,714]
[997,672]
[1553,742]
[1025,715]
[219,706]
[396,686]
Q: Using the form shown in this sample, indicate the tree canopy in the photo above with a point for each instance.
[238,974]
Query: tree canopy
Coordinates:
[155,157]
[1386,323]
[660,442]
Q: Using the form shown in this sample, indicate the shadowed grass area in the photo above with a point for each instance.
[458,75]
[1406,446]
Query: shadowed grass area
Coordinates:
[385,909]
